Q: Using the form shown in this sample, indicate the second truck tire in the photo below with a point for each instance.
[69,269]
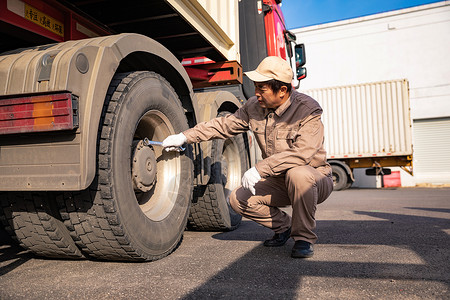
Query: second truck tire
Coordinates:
[33,220]
[211,209]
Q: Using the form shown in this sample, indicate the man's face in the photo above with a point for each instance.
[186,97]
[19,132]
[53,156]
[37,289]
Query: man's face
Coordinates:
[267,98]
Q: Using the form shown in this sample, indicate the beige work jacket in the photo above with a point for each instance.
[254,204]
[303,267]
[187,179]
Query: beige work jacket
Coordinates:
[289,136]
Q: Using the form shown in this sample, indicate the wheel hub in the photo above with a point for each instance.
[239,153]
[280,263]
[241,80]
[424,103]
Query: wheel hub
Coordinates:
[335,179]
[143,167]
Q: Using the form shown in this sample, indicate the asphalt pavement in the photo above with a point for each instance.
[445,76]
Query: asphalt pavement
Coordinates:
[373,244]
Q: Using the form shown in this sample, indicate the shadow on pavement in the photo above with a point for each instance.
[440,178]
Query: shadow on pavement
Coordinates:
[265,273]
[270,273]
[443,210]
[11,254]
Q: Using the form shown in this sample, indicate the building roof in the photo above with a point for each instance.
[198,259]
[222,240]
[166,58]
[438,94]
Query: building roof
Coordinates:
[372,17]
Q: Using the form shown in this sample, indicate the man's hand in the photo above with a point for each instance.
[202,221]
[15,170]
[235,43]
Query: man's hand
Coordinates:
[174,142]
[250,178]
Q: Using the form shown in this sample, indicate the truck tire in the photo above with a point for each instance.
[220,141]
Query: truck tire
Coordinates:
[33,220]
[5,223]
[340,178]
[137,207]
[211,209]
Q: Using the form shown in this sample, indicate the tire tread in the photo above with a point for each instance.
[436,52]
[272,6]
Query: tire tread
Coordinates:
[33,224]
[91,215]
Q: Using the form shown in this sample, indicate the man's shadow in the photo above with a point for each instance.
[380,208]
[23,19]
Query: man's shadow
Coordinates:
[266,272]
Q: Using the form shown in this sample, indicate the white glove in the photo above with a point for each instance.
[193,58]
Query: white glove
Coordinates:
[174,142]
[250,178]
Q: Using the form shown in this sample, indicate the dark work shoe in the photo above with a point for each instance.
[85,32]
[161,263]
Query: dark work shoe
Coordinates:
[279,239]
[302,249]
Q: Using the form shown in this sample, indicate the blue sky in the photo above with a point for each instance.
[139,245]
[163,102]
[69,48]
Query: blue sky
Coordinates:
[301,13]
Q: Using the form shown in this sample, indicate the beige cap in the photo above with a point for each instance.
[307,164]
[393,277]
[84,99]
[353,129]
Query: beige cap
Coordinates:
[271,67]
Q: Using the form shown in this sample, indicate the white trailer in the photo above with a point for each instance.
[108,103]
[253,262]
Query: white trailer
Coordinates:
[366,126]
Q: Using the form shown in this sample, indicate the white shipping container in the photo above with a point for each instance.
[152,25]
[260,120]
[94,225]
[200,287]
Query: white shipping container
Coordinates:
[366,120]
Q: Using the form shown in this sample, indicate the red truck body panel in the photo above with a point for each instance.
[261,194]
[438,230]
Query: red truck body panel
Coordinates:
[49,19]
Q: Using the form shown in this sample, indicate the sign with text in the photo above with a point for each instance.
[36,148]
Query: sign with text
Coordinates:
[44,20]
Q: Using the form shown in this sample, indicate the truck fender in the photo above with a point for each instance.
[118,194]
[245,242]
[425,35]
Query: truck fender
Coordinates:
[85,68]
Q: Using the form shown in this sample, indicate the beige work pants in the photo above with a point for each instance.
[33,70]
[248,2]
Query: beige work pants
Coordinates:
[302,187]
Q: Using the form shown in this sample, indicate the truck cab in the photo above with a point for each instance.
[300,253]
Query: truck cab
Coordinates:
[265,35]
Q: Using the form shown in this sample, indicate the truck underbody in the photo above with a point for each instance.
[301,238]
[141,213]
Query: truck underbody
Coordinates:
[155,19]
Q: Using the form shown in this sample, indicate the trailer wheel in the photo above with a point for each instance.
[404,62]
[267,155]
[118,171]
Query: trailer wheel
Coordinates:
[340,178]
[211,210]
[33,220]
[137,208]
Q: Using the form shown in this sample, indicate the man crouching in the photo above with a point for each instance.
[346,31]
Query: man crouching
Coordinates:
[288,128]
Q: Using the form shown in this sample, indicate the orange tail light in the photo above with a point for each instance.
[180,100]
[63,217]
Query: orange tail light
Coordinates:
[38,113]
